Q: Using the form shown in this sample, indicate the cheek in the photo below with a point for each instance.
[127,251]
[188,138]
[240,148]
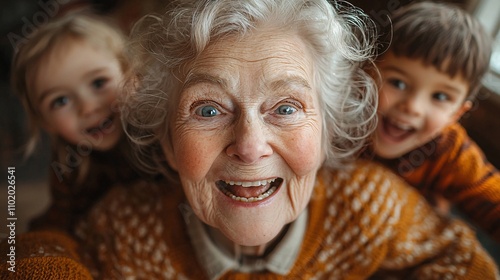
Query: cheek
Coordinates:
[111,98]
[436,123]
[200,198]
[60,123]
[195,152]
[303,150]
[386,99]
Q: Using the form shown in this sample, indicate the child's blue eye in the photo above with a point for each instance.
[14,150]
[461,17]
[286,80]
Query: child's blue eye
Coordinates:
[207,111]
[398,84]
[441,96]
[59,102]
[99,83]
[285,110]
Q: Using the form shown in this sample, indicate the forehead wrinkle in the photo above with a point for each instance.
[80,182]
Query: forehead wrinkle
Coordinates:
[289,82]
[194,78]
[219,64]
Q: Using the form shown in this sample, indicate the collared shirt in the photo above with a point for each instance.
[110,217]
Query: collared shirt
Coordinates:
[216,261]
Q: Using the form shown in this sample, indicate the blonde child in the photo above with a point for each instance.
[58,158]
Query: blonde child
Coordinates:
[68,75]
[430,75]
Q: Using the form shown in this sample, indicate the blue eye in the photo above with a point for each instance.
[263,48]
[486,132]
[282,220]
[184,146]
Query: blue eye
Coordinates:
[59,102]
[439,96]
[285,110]
[398,84]
[207,111]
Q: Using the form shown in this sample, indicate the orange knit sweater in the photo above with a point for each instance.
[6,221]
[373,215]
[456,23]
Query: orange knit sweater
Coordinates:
[360,221]
[454,167]
[363,222]
[70,199]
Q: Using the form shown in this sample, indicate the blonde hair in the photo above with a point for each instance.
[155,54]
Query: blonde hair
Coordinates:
[42,43]
[341,38]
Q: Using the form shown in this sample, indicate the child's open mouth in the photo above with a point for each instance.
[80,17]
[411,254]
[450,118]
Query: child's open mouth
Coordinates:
[396,131]
[102,127]
[249,191]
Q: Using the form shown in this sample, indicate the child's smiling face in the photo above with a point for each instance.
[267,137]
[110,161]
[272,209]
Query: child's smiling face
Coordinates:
[416,102]
[74,89]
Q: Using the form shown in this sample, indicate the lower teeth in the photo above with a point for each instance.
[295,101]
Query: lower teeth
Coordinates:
[251,199]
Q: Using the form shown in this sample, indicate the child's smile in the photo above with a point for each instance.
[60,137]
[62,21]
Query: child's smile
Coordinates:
[395,130]
[103,127]
[416,102]
[77,89]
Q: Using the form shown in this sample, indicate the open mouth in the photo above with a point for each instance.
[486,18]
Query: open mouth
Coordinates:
[101,127]
[249,191]
[396,131]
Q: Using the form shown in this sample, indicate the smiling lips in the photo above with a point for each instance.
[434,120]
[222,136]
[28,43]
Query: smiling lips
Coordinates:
[249,191]
[396,131]
[102,127]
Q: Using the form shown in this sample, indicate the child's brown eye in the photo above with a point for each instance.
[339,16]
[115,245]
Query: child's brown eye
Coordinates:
[99,83]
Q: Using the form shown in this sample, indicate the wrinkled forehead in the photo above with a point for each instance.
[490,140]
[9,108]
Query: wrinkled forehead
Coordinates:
[261,55]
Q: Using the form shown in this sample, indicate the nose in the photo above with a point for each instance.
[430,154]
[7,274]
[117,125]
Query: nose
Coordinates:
[413,104]
[89,103]
[250,142]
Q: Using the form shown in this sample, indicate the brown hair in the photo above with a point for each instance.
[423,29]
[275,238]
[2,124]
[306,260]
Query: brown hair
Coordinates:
[444,36]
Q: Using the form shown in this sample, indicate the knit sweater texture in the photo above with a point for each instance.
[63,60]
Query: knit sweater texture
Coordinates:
[364,223]
[361,221]
[71,199]
[454,167]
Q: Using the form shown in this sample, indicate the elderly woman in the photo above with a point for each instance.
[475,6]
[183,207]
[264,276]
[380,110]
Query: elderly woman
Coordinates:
[253,110]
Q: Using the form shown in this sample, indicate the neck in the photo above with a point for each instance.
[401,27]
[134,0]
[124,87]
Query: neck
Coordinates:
[239,250]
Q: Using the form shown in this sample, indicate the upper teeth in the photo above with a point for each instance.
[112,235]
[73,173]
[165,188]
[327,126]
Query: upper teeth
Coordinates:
[250,184]
[401,125]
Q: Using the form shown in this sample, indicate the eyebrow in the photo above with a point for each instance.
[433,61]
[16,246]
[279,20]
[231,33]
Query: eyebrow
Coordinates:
[290,81]
[451,88]
[46,93]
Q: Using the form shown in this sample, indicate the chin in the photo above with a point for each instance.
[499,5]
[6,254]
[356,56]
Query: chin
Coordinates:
[104,147]
[385,155]
[387,152]
[108,142]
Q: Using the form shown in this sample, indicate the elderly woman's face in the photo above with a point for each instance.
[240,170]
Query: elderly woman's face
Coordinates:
[246,139]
